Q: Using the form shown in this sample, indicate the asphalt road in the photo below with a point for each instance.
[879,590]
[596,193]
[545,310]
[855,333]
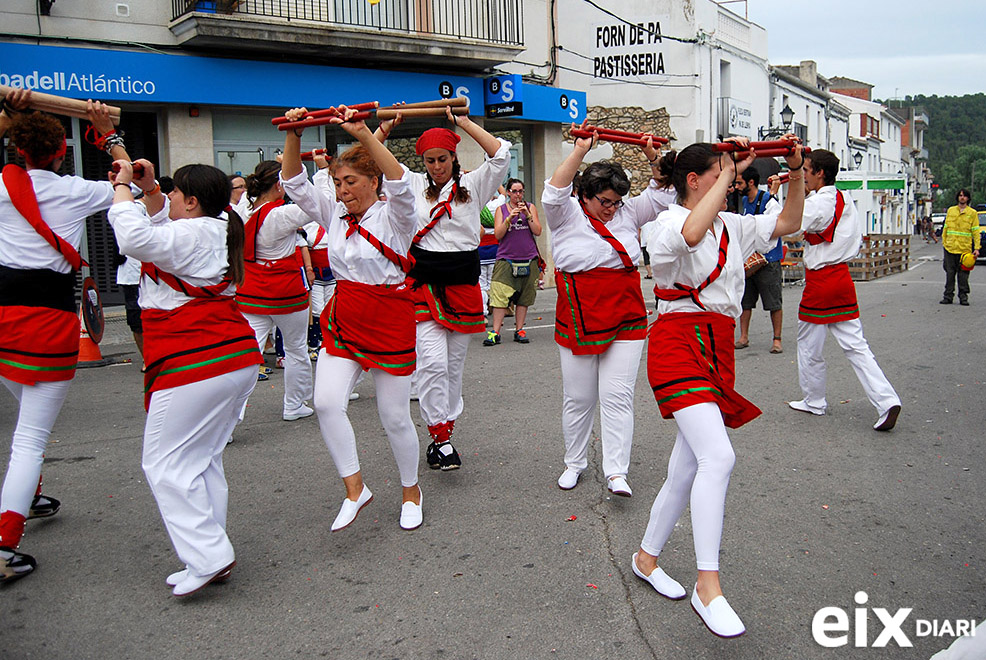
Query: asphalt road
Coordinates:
[507,565]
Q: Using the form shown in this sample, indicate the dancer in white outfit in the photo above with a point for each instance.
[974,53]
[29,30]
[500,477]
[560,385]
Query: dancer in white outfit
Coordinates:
[42,221]
[273,293]
[200,354]
[369,323]
[697,253]
[601,319]
[833,235]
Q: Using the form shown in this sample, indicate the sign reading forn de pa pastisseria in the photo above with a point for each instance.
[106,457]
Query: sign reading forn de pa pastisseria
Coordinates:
[628,51]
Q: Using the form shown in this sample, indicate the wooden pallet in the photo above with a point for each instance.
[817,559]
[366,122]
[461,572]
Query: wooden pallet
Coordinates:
[881,255]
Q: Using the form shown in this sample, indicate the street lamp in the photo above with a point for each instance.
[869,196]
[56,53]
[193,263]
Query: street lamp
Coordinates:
[787,116]
[857,158]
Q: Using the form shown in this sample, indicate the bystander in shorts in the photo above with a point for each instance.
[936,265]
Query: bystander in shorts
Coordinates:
[506,288]
[130,293]
[764,284]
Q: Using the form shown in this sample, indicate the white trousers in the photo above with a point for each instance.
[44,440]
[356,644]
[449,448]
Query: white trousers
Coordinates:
[607,379]
[485,277]
[187,429]
[698,472]
[297,364]
[335,378]
[441,357]
[39,407]
[321,293]
[811,364]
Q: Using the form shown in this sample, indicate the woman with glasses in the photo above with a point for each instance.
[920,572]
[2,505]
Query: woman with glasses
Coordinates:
[515,274]
[600,318]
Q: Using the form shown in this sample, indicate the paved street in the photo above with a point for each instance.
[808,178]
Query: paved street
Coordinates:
[507,565]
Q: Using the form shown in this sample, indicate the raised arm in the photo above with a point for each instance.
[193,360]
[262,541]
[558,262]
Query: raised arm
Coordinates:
[565,173]
[378,151]
[488,143]
[789,220]
[291,158]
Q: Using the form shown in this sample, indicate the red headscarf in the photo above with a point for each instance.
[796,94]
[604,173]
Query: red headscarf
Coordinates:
[441,138]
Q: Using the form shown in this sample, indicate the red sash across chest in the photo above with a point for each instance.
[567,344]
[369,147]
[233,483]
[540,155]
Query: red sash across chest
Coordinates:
[270,287]
[829,296]
[372,325]
[462,310]
[38,344]
[597,307]
[203,338]
[690,360]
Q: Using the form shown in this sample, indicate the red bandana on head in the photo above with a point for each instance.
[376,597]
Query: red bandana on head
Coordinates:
[441,138]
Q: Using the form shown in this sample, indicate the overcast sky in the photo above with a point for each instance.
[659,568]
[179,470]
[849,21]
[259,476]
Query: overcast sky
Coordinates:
[900,46]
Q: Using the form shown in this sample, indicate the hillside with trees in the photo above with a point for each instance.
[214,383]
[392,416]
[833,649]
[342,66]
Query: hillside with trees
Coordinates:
[956,143]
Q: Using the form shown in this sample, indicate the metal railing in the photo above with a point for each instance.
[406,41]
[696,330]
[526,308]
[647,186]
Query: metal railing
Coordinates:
[493,21]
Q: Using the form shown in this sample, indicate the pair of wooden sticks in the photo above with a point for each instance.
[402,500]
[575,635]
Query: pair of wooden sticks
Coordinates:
[768,149]
[60,105]
[620,137]
[459,105]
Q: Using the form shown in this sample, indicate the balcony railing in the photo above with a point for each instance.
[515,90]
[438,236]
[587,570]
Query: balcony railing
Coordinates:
[491,21]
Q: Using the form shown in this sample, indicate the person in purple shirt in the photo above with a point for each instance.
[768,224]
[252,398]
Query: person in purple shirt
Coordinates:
[515,274]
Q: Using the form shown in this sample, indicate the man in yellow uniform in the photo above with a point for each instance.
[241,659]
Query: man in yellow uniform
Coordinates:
[959,235]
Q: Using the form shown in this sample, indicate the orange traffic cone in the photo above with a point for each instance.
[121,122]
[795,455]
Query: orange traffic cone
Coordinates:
[88,350]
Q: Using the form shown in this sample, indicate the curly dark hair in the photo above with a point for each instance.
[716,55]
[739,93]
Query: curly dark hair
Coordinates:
[38,135]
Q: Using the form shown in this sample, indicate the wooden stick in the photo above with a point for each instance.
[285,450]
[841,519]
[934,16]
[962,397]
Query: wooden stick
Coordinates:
[612,131]
[606,137]
[458,102]
[758,146]
[61,105]
[310,155]
[388,113]
[328,112]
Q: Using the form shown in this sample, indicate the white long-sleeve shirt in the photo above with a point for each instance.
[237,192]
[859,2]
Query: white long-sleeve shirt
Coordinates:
[673,260]
[192,249]
[355,259]
[460,233]
[65,203]
[278,236]
[577,247]
[818,214]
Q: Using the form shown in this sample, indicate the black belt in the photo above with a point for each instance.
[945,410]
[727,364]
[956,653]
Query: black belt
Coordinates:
[445,268]
[37,288]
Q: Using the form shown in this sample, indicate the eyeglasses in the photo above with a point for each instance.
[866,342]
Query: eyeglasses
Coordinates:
[608,203]
[521,191]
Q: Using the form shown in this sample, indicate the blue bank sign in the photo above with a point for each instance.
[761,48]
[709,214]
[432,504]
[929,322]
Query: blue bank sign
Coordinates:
[509,96]
[164,78]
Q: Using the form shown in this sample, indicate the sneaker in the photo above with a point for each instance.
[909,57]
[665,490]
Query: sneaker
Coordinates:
[354,396]
[300,412]
[945,301]
[279,363]
[520,336]
[313,354]
[492,339]
[15,565]
[43,506]
[443,457]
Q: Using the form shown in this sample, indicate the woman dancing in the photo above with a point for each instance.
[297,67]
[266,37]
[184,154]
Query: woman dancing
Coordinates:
[600,317]
[697,253]
[201,355]
[369,322]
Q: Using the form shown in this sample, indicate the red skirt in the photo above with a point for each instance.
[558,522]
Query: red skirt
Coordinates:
[372,325]
[597,307]
[202,339]
[38,344]
[690,361]
[829,296]
[272,288]
[461,310]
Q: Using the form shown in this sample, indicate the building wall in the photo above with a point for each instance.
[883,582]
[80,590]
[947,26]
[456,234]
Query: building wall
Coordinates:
[138,21]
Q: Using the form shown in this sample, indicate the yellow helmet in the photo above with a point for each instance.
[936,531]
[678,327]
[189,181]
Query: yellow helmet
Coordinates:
[967,261]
